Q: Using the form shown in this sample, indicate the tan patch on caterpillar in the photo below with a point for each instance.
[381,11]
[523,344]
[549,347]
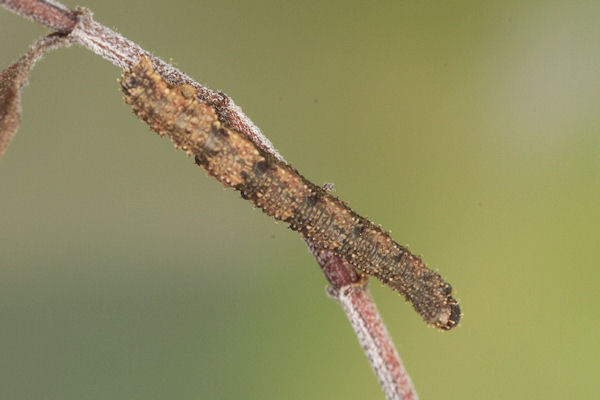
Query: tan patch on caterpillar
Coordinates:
[280,191]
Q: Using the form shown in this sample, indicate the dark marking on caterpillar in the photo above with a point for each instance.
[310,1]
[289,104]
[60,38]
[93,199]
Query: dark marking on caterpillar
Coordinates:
[281,192]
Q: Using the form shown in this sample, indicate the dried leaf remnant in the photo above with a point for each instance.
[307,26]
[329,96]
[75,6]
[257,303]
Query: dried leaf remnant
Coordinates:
[12,80]
[280,191]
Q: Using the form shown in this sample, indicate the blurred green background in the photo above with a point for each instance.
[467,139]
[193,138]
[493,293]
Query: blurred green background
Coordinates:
[470,129]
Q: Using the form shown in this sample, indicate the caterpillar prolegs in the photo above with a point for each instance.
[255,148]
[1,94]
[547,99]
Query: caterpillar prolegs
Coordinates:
[281,192]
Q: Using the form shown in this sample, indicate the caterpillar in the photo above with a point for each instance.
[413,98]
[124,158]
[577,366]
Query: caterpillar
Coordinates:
[281,192]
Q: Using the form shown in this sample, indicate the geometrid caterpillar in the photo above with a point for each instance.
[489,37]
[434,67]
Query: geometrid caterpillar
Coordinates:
[280,191]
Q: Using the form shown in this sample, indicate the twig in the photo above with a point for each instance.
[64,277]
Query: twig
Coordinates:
[46,12]
[348,288]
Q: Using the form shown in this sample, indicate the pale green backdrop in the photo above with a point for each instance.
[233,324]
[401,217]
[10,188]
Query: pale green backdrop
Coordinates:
[470,129]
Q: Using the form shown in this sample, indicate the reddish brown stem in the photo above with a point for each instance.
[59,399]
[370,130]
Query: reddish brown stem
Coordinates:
[52,14]
[348,287]
[350,290]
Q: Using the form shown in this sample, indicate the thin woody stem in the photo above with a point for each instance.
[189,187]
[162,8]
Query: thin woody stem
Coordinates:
[348,288]
[46,12]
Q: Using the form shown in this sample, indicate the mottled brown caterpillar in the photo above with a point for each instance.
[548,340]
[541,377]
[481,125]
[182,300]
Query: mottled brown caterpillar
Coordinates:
[280,191]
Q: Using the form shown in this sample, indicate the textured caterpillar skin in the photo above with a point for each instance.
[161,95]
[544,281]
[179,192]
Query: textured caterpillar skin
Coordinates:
[280,191]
